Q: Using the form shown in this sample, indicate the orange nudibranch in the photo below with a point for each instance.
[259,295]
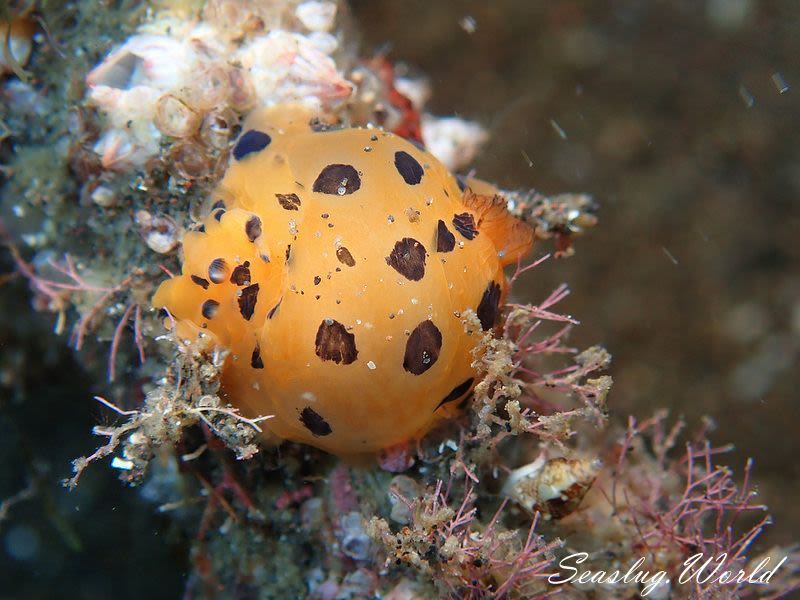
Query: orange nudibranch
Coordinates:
[336,266]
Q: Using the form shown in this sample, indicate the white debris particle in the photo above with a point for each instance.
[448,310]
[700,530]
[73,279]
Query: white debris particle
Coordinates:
[121,463]
[780,83]
[468,24]
[562,134]
[669,255]
[748,98]
[371,365]
[526,157]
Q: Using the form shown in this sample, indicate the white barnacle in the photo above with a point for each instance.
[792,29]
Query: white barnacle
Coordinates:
[317,16]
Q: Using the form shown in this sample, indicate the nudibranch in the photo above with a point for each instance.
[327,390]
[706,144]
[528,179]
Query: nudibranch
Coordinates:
[336,266]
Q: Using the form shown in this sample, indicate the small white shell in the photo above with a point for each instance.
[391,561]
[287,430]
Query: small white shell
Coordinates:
[554,487]
[174,118]
[160,232]
[103,196]
[20,43]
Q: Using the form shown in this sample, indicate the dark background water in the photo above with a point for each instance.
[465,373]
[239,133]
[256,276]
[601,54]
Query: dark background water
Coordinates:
[674,123]
[672,120]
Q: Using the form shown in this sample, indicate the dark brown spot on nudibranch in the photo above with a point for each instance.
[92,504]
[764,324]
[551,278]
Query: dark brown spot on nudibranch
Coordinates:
[457,392]
[445,240]
[218,270]
[344,256]
[289,201]
[241,274]
[251,141]
[247,301]
[209,309]
[203,283]
[408,167]
[274,309]
[489,306]
[408,259]
[314,422]
[338,180]
[288,252]
[317,279]
[255,360]
[253,228]
[465,224]
[422,348]
[335,343]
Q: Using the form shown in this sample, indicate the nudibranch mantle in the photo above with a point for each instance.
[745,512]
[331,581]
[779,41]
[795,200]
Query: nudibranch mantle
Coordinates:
[336,265]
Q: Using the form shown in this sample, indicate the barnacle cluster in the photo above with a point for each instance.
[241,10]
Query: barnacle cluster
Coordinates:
[189,75]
